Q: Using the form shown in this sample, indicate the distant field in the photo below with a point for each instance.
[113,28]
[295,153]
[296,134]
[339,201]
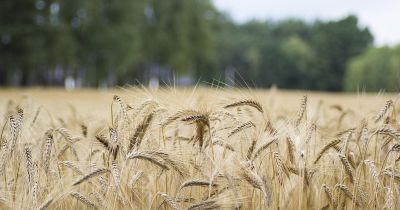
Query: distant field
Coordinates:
[198,149]
[101,99]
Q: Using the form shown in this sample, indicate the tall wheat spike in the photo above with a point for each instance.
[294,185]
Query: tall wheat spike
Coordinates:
[251,103]
[241,127]
[256,181]
[122,106]
[263,147]
[83,199]
[372,170]
[325,148]
[140,131]
[47,149]
[149,156]
[198,182]
[301,112]
[94,173]
[171,202]
[208,204]
[279,167]
[347,167]
[383,111]
[115,171]
[388,130]
[348,193]
[29,163]
[72,166]
[329,195]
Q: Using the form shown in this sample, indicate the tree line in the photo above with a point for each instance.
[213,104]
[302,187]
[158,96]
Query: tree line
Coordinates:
[105,42]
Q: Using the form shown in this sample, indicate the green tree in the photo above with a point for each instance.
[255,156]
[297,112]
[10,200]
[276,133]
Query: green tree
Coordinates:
[113,42]
[375,70]
[299,60]
[335,42]
[239,48]
[21,27]
[178,35]
[107,36]
[287,58]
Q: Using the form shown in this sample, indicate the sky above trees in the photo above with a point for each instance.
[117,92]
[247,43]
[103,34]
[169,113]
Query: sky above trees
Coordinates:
[381,17]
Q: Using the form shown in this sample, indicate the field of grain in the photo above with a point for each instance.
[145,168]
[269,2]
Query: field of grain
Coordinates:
[198,149]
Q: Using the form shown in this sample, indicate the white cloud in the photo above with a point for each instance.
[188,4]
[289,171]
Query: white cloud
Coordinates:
[382,17]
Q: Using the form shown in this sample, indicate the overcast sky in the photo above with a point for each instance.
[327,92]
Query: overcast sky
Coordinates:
[382,17]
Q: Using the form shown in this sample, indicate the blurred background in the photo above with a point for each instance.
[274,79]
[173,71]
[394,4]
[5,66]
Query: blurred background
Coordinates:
[311,45]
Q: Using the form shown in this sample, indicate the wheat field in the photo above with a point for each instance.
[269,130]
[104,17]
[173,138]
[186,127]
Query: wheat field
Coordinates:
[198,148]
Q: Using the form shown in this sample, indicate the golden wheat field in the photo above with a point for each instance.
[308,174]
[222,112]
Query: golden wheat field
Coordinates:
[198,149]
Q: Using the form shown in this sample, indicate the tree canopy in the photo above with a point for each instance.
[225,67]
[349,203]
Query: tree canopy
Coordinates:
[104,42]
[378,69]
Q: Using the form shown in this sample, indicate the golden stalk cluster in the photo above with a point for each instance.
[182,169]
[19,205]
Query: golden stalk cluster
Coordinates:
[237,154]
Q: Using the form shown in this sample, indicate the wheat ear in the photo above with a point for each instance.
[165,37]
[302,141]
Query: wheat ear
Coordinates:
[251,103]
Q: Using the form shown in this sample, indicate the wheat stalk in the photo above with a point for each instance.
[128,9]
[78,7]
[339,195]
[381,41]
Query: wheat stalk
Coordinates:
[279,167]
[251,103]
[46,204]
[241,127]
[302,110]
[389,199]
[348,193]
[72,166]
[251,149]
[140,131]
[310,131]
[383,111]
[29,163]
[36,115]
[291,149]
[47,149]
[262,148]
[254,180]
[199,118]
[197,182]
[170,200]
[347,167]
[115,171]
[329,195]
[224,144]
[325,148]
[208,204]
[178,115]
[66,135]
[122,106]
[135,178]
[149,157]
[90,175]
[372,170]
[104,142]
[388,130]
[83,199]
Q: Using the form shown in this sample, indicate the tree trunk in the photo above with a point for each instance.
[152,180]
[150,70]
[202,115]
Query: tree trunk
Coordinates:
[24,77]
[3,76]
